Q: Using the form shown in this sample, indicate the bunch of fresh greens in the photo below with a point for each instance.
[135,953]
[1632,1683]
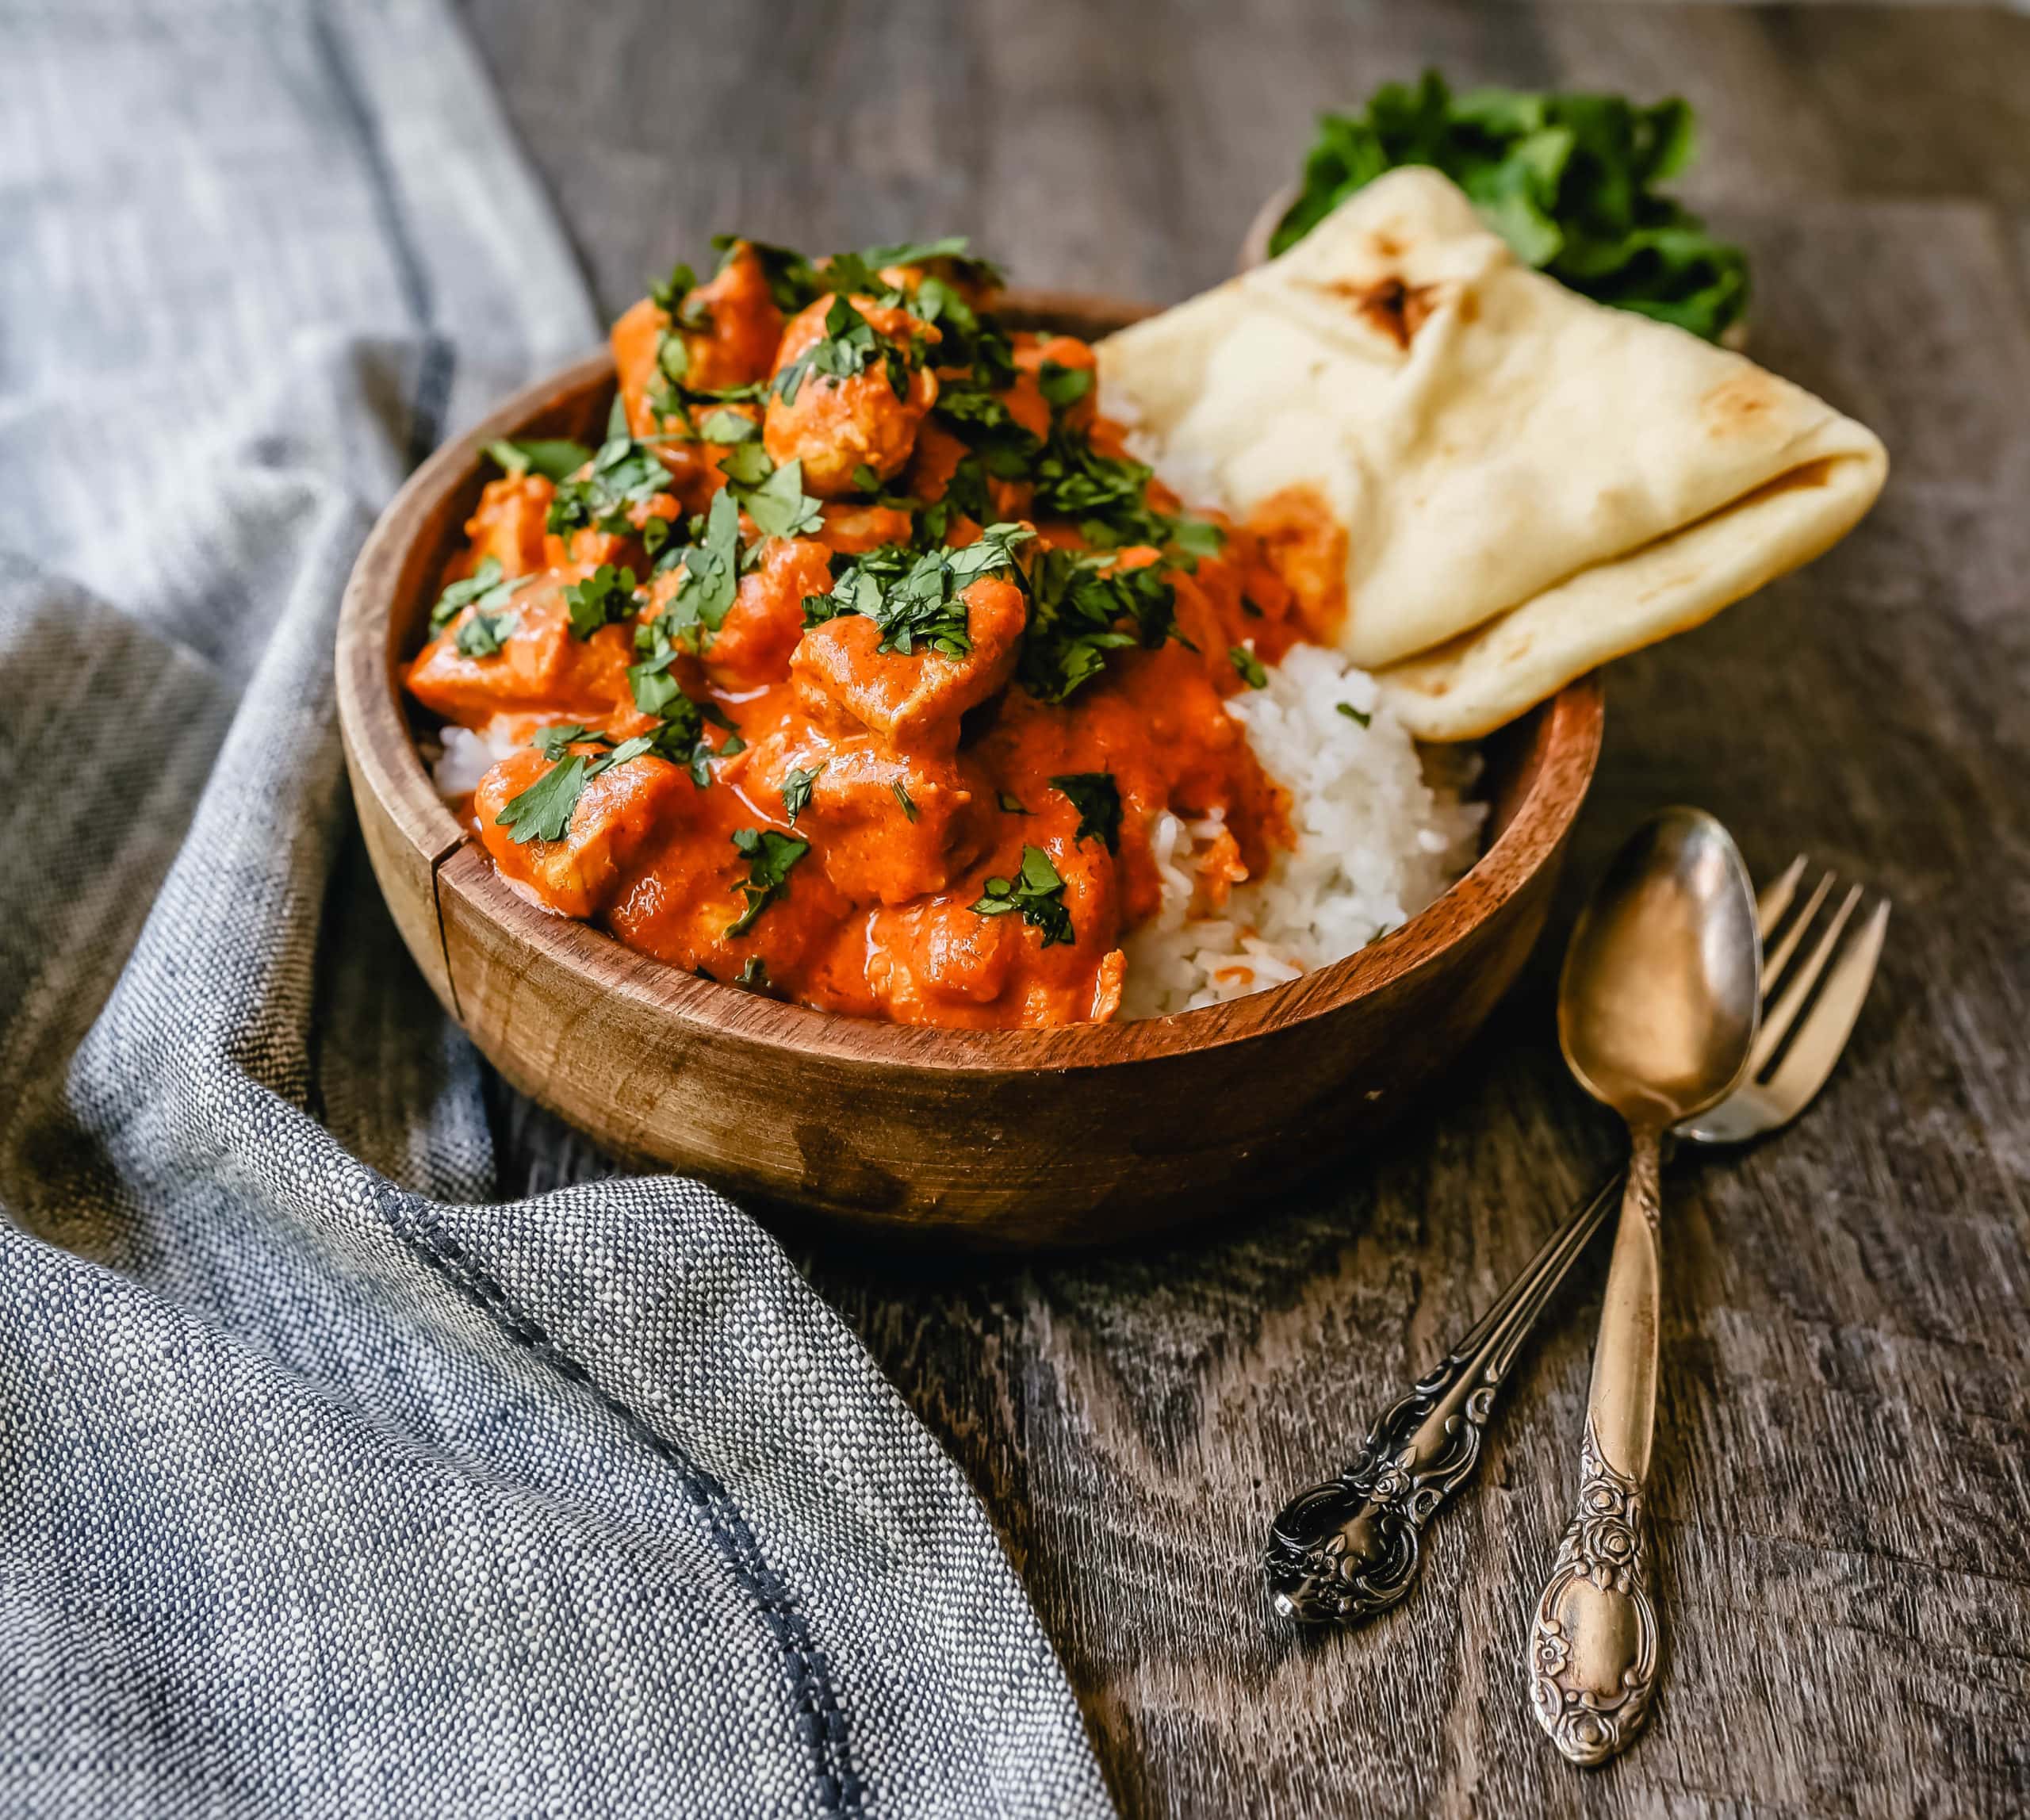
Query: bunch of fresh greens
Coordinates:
[1568,181]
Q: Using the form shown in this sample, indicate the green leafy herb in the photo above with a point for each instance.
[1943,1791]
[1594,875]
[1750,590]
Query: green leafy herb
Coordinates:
[606,597]
[1248,666]
[1082,607]
[484,634]
[725,426]
[483,590]
[777,503]
[1106,496]
[850,344]
[711,579]
[1097,798]
[753,974]
[1037,892]
[557,459]
[624,474]
[903,797]
[1568,181]
[796,790]
[1063,385]
[672,295]
[543,812]
[1353,714]
[769,857]
[915,599]
[1010,803]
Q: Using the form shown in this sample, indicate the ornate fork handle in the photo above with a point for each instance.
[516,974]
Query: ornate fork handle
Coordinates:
[1344,1551]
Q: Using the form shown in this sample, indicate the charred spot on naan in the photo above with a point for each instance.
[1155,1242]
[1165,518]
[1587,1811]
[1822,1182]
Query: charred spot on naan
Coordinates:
[1740,405]
[1393,308]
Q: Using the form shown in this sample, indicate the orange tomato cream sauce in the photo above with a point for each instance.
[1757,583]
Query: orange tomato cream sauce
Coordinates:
[862,664]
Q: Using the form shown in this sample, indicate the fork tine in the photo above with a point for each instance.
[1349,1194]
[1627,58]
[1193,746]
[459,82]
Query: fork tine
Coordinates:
[1774,959]
[1775,897]
[1825,1033]
[1779,1018]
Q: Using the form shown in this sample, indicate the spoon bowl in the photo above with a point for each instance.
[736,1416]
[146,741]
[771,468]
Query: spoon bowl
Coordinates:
[1662,983]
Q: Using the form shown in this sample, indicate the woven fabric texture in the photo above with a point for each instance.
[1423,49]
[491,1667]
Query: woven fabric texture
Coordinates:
[328,1485]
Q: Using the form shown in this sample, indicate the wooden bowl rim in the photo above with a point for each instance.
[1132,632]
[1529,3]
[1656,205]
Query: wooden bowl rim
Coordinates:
[375,726]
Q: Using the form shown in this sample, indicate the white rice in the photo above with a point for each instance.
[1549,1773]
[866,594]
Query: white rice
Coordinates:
[468,756]
[1376,839]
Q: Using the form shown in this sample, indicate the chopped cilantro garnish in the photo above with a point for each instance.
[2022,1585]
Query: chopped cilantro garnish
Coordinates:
[775,500]
[769,857]
[916,599]
[1010,803]
[543,810]
[796,790]
[1248,666]
[1353,714]
[1081,608]
[753,974]
[1063,386]
[1037,892]
[711,579]
[1106,496]
[483,590]
[557,459]
[606,597]
[850,344]
[625,473]
[484,634]
[1097,798]
[724,426]
[903,797]
[672,296]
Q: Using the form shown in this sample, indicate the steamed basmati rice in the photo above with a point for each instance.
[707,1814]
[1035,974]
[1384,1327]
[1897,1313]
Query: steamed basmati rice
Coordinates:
[1376,840]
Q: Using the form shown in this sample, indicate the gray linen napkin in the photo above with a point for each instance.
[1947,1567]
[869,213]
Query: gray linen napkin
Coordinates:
[327,1487]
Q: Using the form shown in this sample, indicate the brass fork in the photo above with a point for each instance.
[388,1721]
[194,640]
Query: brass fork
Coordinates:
[1345,1551]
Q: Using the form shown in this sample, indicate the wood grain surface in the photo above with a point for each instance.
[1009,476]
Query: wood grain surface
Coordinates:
[1841,1489]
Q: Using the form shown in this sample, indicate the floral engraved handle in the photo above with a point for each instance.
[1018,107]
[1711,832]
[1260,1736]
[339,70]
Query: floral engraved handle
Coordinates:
[1342,1551]
[1595,1639]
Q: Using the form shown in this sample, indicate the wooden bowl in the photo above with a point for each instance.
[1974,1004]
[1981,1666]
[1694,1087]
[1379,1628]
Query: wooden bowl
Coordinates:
[994,1139]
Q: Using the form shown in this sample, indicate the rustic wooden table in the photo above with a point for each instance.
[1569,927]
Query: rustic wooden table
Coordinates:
[1841,1490]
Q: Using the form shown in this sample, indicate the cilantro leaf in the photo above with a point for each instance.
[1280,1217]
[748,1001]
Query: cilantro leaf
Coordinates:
[778,504]
[903,797]
[1010,803]
[1037,892]
[1355,715]
[916,599]
[1247,667]
[606,597]
[1081,608]
[542,812]
[625,473]
[484,634]
[796,790]
[1568,181]
[711,576]
[557,459]
[483,590]
[1097,798]
[769,857]
[725,426]
[1063,385]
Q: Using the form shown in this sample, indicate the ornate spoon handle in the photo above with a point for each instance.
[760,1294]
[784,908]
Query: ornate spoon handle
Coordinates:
[1342,1551]
[1595,1638]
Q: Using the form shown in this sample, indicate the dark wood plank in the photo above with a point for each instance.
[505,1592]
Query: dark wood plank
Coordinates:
[1842,1491]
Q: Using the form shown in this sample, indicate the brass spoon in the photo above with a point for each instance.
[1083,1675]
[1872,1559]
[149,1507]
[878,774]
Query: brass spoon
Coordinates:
[1657,1008]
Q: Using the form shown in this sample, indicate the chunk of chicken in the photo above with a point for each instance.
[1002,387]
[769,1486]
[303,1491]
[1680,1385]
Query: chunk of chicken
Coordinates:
[508,524]
[753,644]
[540,666]
[886,826]
[915,701]
[836,427]
[619,811]
[736,345]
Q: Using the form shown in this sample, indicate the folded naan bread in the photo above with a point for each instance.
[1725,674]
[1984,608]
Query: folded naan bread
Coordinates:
[1530,483]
